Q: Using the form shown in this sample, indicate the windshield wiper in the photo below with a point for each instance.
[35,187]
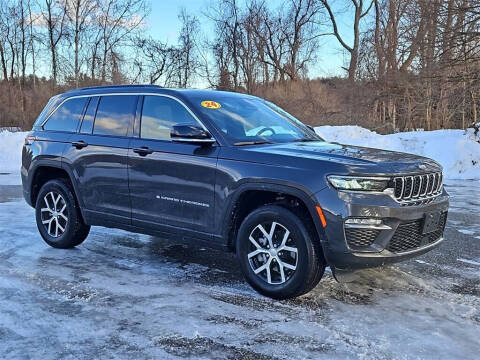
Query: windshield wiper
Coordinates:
[306,140]
[242,143]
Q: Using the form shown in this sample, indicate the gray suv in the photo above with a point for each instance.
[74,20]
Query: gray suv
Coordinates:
[232,171]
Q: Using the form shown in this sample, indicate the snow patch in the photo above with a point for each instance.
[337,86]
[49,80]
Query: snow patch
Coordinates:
[11,144]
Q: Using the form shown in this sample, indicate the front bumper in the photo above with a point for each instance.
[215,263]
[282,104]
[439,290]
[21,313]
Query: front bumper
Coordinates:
[399,237]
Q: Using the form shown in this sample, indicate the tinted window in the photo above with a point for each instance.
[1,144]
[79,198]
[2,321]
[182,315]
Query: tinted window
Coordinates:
[87,123]
[115,115]
[159,114]
[67,116]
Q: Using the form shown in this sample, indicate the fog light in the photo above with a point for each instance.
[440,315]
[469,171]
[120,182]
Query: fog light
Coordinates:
[366,223]
[363,221]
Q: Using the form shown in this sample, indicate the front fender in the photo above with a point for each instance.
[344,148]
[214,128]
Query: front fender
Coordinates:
[296,190]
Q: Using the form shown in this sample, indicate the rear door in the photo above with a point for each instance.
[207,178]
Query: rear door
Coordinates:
[171,184]
[98,157]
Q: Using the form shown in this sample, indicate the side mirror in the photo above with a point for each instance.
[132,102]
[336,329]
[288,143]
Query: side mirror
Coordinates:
[191,134]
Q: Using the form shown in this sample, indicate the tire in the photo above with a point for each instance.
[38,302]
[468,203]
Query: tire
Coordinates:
[58,216]
[302,268]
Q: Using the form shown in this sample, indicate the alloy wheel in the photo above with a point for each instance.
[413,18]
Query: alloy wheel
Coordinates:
[54,214]
[273,254]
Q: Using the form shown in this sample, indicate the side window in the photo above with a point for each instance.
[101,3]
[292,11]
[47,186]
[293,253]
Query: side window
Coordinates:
[67,116]
[87,123]
[159,114]
[115,115]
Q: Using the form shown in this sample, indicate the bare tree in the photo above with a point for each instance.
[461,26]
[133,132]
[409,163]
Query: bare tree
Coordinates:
[152,59]
[79,13]
[359,13]
[32,40]
[300,27]
[188,59]
[55,20]
[117,20]
[4,31]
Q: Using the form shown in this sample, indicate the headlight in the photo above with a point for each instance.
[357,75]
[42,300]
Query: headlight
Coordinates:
[358,183]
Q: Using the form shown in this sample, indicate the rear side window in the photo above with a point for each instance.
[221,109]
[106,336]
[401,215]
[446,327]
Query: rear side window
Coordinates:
[87,123]
[67,116]
[159,114]
[115,115]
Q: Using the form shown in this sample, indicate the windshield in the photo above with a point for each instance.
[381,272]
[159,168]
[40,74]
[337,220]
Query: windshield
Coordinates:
[248,120]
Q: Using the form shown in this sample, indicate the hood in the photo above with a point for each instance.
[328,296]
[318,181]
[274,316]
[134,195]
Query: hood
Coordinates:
[357,159]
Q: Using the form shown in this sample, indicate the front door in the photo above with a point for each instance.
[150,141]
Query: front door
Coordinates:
[171,184]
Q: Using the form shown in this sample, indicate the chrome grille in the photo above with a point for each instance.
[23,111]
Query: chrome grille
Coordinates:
[409,189]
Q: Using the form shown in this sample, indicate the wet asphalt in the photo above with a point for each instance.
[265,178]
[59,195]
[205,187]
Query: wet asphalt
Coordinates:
[124,295]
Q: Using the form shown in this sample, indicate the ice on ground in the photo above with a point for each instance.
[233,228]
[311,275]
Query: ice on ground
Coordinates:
[422,262]
[467,232]
[467,261]
[129,296]
[10,178]
[457,151]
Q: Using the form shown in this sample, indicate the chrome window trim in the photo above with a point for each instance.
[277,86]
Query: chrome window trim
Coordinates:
[181,139]
[131,94]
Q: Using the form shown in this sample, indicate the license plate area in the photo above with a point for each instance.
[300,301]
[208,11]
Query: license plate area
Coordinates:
[431,222]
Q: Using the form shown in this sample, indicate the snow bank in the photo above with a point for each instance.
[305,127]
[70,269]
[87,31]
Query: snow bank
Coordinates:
[11,144]
[458,151]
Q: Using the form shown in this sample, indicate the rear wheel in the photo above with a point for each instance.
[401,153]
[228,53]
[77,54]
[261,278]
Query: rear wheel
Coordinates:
[58,217]
[277,254]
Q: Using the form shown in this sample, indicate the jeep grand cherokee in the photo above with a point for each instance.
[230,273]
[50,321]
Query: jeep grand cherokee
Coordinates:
[229,170]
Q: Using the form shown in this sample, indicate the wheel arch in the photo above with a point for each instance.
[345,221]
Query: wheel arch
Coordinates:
[46,171]
[250,196]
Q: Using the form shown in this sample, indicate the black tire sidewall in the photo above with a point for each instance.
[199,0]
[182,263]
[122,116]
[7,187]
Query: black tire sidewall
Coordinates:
[306,255]
[67,238]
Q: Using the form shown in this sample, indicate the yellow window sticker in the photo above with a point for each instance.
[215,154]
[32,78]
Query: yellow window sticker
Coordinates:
[210,104]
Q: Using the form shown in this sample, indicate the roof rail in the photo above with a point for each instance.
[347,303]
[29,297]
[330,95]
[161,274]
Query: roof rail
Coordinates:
[114,87]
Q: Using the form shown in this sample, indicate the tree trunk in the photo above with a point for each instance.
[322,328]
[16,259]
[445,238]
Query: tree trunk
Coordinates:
[4,63]
[474,106]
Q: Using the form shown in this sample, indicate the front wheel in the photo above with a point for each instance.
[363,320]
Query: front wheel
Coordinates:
[277,254]
[58,216]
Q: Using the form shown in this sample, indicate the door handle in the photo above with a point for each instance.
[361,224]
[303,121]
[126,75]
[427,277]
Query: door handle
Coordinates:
[79,144]
[143,151]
